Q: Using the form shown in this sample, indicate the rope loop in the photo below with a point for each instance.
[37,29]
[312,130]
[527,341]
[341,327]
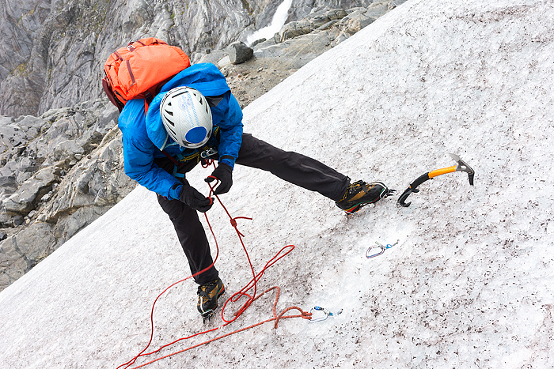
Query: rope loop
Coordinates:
[206,162]
[303,314]
[244,292]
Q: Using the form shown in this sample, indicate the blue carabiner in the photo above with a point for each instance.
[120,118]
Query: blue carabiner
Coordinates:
[382,249]
[325,311]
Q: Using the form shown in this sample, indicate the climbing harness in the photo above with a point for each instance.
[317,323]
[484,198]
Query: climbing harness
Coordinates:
[326,314]
[372,251]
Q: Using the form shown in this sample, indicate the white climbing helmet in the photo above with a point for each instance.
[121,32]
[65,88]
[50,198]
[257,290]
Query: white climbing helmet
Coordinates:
[186,117]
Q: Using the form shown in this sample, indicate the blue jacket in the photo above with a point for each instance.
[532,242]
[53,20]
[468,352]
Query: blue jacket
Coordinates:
[144,136]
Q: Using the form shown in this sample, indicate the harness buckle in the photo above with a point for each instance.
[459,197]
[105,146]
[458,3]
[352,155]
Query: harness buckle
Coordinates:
[208,153]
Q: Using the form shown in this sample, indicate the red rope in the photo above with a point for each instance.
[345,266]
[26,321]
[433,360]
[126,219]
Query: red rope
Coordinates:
[276,318]
[251,296]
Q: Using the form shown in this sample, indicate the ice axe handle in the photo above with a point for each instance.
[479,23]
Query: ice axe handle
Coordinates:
[412,188]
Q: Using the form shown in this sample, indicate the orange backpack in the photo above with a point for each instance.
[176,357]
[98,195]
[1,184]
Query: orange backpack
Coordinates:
[141,69]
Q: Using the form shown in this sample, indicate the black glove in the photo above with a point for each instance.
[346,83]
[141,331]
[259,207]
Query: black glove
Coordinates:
[194,199]
[224,173]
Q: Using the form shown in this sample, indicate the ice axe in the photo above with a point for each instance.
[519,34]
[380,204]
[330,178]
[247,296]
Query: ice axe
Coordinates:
[461,166]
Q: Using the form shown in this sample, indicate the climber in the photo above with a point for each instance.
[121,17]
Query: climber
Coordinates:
[193,118]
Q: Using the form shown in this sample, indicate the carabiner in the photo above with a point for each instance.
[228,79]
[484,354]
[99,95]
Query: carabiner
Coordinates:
[325,311]
[209,152]
[369,254]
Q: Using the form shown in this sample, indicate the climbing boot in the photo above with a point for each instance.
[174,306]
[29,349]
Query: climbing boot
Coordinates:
[207,297]
[359,194]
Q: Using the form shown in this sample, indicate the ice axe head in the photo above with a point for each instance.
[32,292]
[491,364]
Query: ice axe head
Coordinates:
[463,167]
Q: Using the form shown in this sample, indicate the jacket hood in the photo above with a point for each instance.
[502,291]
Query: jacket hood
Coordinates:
[204,77]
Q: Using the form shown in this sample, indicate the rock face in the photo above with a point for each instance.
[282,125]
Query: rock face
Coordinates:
[62,169]
[60,180]
[54,50]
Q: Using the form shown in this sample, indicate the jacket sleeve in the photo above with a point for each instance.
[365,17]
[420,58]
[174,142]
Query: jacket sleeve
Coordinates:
[228,116]
[138,153]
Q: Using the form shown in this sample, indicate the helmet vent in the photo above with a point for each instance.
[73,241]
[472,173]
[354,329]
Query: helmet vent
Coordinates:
[179,93]
[172,131]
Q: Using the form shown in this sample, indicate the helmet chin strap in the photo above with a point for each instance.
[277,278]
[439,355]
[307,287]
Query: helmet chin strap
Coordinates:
[167,145]
[165,142]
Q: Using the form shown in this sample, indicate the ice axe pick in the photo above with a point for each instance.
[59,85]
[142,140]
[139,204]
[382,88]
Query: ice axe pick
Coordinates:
[461,166]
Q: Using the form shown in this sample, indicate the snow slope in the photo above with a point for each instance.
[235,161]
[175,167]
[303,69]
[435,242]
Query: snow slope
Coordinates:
[470,283]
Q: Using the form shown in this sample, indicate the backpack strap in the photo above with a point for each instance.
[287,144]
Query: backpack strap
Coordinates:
[111,96]
[152,92]
[177,165]
[175,161]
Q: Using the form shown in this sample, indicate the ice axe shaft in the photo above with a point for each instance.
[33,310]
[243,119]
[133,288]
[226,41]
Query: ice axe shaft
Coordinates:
[460,166]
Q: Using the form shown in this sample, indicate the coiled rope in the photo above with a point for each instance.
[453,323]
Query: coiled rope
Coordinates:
[245,291]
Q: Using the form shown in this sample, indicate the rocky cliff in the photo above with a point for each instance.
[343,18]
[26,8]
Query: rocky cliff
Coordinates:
[54,49]
[60,148]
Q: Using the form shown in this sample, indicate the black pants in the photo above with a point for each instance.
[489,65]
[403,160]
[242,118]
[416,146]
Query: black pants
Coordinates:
[289,166]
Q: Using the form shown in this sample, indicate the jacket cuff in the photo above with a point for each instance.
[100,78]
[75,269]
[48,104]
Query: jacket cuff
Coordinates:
[227,159]
[175,191]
